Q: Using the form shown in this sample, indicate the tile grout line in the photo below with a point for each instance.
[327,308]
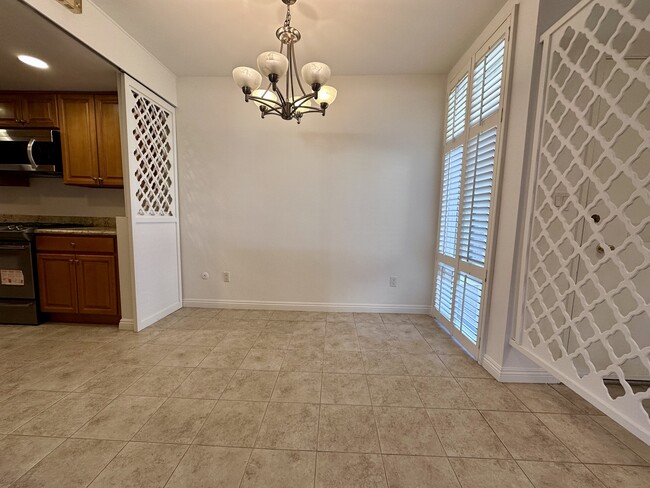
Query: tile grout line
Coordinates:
[258,432]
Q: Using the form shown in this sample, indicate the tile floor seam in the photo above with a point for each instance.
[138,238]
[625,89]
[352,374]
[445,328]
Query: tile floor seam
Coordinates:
[428,417]
[126,443]
[318,428]
[258,434]
[526,474]
[599,427]
[495,434]
[180,460]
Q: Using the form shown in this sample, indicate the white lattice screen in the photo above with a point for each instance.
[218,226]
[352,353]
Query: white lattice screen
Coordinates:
[154,176]
[150,134]
[587,288]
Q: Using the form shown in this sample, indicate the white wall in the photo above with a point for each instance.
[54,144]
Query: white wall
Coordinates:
[318,215]
[49,196]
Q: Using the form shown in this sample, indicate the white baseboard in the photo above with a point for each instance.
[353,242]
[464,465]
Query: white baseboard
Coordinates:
[516,375]
[127,324]
[308,306]
[152,319]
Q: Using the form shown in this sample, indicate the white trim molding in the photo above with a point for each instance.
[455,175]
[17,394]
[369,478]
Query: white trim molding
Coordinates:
[127,324]
[516,375]
[308,306]
[152,319]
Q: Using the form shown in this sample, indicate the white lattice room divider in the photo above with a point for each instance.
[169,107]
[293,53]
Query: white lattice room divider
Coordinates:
[150,132]
[585,310]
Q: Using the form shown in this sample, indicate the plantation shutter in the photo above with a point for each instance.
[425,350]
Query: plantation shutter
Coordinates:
[486,84]
[477,197]
[457,103]
[472,139]
[450,206]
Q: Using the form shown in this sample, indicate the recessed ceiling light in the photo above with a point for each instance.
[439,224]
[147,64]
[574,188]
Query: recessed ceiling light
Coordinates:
[34,62]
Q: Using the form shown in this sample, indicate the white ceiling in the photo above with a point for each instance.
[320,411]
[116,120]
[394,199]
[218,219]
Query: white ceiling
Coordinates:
[72,65]
[355,37]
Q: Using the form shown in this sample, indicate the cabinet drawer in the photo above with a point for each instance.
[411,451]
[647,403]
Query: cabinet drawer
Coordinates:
[72,243]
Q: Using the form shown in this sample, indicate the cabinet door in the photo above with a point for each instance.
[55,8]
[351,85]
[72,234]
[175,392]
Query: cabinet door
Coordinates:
[78,139]
[97,284]
[10,107]
[39,110]
[109,149]
[57,283]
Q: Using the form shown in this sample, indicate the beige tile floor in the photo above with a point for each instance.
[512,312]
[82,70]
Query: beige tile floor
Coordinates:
[210,398]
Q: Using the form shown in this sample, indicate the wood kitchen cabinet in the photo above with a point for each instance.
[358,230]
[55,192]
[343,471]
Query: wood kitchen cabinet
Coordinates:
[90,139]
[28,110]
[78,278]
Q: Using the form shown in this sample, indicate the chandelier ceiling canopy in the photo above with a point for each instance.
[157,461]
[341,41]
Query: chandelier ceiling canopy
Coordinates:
[281,69]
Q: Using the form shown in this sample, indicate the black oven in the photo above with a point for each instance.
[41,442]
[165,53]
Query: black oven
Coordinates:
[18,288]
[35,151]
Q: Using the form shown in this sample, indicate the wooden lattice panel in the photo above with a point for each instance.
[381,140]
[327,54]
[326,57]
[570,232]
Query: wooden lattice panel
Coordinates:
[154,172]
[587,301]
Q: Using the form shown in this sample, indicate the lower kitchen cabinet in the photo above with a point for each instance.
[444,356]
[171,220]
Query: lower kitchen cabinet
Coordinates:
[57,283]
[78,278]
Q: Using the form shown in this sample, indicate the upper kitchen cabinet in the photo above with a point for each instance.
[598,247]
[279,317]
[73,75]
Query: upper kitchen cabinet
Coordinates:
[109,148]
[29,110]
[90,140]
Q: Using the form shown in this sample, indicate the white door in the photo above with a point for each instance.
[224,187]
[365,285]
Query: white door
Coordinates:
[148,127]
[614,234]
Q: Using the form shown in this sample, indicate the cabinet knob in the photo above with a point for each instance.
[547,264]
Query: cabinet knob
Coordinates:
[73,244]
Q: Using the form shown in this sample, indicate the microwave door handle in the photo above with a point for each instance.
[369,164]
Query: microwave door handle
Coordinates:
[30,154]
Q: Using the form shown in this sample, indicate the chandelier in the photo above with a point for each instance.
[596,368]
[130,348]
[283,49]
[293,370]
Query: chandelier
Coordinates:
[280,69]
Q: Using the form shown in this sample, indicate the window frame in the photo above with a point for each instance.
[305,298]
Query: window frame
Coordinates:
[498,119]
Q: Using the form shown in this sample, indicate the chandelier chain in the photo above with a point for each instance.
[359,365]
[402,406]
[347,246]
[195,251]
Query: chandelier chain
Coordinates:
[287,20]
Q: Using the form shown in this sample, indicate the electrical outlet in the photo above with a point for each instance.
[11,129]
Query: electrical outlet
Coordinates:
[226,276]
[393,282]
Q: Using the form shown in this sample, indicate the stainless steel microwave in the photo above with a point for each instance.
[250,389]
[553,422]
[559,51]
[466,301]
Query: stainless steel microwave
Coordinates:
[36,151]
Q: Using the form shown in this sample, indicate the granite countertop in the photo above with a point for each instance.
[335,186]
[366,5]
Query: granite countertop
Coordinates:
[84,231]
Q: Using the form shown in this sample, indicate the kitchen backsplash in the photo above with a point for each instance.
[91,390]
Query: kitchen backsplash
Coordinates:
[87,221]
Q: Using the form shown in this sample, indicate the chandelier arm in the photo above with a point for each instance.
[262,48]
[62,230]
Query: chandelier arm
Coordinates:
[266,103]
[289,74]
[313,110]
[292,67]
[306,97]
[293,55]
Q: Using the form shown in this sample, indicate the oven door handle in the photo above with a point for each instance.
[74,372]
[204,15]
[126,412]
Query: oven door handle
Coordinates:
[30,154]
[17,304]
[12,247]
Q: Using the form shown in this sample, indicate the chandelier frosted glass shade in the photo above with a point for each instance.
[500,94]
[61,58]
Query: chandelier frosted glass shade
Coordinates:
[294,101]
[264,96]
[316,73]
[247,78]
[272,63]
[326,94]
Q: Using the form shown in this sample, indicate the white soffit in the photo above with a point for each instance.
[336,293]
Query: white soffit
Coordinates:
[355,37]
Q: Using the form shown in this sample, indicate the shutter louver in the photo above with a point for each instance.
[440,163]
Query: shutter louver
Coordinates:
[450,202]
[444,290]
[467,309]
[477,197]
[486,84]
[457,110]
